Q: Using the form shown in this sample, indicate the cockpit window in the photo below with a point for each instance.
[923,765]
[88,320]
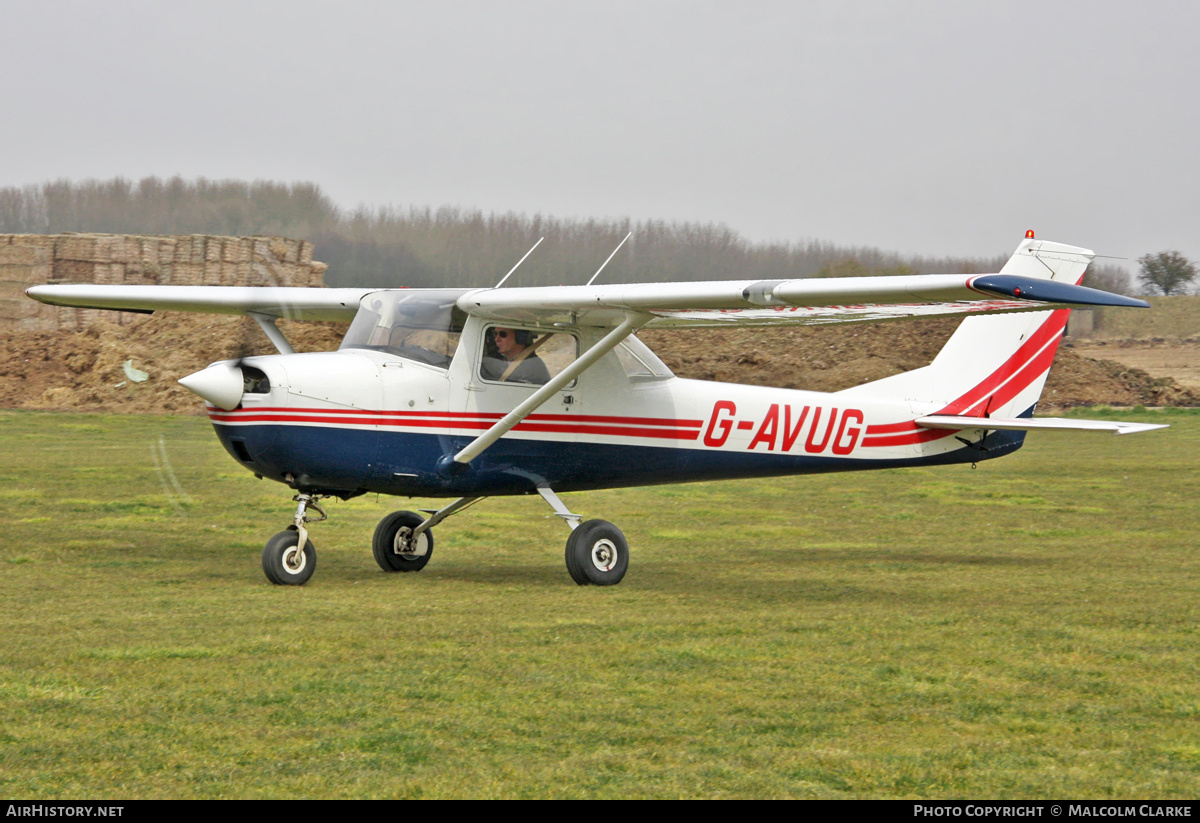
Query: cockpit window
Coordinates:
[523,356]
[422,325]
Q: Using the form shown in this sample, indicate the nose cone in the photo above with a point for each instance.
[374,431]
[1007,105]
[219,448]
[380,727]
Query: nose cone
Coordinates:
[219,384]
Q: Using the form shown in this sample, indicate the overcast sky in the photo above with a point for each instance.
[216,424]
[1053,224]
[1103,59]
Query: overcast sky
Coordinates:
[935,128]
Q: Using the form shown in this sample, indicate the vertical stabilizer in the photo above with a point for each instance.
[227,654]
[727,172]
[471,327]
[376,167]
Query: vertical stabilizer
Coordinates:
[996,365]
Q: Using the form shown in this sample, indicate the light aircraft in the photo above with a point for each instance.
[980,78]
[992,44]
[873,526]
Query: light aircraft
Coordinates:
[474,393]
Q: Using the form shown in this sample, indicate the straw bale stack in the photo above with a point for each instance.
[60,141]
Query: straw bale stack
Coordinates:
[29,259]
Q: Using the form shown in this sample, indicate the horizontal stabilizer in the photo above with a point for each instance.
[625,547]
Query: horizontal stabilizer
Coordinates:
[1052,291]
[959,423]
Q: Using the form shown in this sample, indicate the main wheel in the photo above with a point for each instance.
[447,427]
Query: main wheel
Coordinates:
[284,563]
[597,554]
[394,547]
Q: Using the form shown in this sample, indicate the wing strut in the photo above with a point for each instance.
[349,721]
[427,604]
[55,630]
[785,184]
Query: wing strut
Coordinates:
[632,323]
[267,324]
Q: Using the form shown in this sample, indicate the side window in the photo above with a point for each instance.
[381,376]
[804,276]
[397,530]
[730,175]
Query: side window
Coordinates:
[639,363]
[631,364]
[522,356]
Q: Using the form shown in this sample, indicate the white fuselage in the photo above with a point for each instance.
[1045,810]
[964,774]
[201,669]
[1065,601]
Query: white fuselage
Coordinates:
[358,419]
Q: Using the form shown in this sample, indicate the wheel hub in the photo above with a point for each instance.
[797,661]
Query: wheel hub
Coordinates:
[406,547]
[604,554]
[294,560]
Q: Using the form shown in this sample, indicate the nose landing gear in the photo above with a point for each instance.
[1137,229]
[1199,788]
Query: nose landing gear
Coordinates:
[289,558]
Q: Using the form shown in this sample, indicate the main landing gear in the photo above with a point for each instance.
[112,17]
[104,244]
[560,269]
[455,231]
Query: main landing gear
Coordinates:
[397,548]
[596,554]
[404,540]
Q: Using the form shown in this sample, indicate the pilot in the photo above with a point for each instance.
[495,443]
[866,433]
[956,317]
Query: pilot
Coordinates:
[517,361]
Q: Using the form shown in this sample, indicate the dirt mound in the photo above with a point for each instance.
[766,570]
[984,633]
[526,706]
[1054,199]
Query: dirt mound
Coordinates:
[1178,359]
[84,370]
[819,358]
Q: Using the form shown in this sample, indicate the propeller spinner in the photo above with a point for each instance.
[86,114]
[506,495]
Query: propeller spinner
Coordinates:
[220,384]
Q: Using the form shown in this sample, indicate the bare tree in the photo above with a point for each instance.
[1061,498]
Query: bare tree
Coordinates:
[1108,277]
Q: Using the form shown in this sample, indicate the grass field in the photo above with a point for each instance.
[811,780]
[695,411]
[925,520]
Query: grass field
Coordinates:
[1027,629]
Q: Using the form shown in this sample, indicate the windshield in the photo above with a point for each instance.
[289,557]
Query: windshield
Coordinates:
[422,325]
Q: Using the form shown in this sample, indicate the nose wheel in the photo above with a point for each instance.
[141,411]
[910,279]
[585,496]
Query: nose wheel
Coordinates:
[285,563]
[289,558]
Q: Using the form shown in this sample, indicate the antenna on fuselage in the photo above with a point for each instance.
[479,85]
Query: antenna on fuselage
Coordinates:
[610,257]
[519,262]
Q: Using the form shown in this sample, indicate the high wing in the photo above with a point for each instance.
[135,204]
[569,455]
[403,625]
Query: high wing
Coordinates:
[679,305]
[1040,275]
[787,302]
[270,301]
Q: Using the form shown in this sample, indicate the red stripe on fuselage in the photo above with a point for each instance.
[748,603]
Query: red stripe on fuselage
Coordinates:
[892,428]
[559,423]
[487,417]
[921,435]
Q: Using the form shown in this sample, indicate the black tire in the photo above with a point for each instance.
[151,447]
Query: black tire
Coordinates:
[383,546]
[597,554]
[283,565]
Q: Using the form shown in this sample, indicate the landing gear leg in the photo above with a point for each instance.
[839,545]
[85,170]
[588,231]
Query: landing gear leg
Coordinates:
[289,558]
[597,553]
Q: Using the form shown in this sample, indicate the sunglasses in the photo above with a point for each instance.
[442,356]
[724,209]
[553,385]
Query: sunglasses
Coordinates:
[500,335]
